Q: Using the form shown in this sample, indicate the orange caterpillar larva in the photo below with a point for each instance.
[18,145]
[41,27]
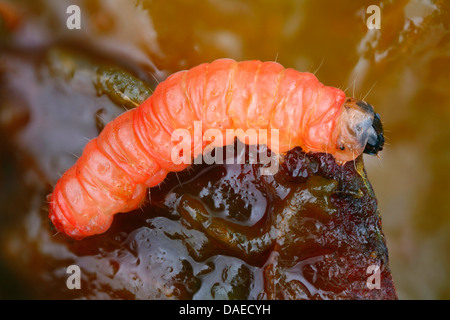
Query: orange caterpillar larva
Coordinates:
[133,152]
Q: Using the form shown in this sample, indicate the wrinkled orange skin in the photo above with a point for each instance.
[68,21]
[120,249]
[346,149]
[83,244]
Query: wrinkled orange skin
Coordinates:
[133,152]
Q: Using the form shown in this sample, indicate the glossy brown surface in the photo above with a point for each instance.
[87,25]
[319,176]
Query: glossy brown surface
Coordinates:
[226,232]
[54,98]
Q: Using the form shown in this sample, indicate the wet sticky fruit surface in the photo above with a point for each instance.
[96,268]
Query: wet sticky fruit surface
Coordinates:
[224,231]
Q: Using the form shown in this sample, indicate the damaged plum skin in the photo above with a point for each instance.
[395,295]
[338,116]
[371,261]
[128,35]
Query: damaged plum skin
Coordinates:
[222,231]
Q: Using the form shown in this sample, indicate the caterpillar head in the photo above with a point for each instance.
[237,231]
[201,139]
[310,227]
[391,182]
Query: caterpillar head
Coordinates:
[359,130]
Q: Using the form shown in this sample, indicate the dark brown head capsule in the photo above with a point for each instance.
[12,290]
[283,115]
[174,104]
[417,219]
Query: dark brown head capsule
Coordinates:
[359,130]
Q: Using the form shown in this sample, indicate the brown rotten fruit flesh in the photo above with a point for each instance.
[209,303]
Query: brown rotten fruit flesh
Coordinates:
[223,231]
